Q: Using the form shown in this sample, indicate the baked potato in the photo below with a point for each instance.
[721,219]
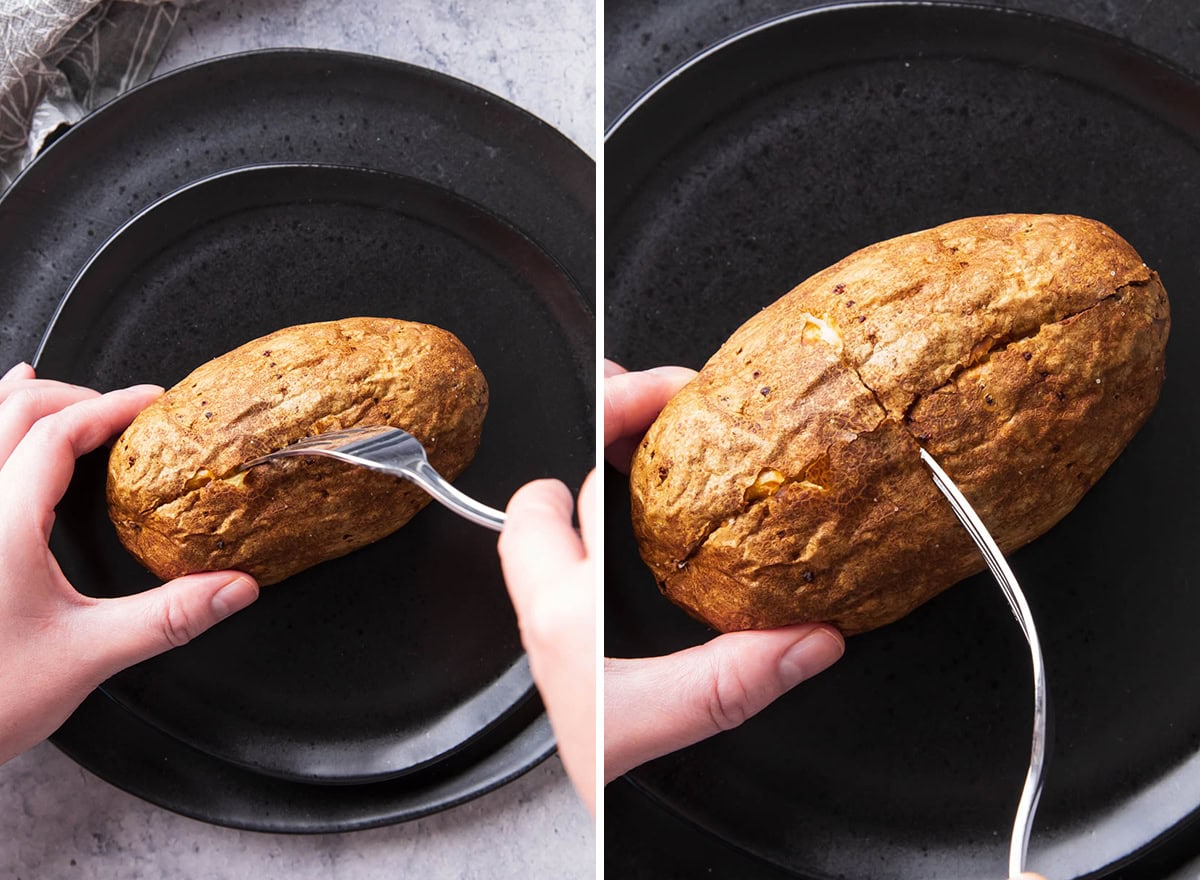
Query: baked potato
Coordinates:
[784,484]
[179,502]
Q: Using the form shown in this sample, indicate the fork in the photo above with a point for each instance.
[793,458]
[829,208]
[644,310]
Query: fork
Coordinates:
[1038,752]
[390,451]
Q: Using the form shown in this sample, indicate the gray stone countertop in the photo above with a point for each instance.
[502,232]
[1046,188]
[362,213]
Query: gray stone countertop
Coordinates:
[59,821]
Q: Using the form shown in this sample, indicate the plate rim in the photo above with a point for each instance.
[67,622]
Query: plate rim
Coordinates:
[300,820]
[842,6]
[270,54]
[256,168]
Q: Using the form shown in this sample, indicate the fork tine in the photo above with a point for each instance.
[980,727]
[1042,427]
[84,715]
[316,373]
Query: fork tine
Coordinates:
[394,451]
[341,438]
[381,445]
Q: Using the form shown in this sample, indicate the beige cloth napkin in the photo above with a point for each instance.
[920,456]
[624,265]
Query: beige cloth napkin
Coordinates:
[60,59]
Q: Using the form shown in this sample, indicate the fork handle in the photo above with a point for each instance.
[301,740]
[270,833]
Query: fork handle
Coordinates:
[465,506]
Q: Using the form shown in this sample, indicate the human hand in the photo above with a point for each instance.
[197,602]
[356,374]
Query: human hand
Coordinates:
[57,645]
[550,572]
[657,705]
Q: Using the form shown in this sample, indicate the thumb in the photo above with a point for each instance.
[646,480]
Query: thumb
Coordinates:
[655,706]
[129,629]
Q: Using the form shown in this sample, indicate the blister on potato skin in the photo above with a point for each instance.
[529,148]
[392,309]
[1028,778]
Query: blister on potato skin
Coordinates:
[783,484]
[174,492]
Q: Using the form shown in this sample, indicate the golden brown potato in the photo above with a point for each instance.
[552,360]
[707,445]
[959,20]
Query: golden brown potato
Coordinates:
[174,490]
[784,483]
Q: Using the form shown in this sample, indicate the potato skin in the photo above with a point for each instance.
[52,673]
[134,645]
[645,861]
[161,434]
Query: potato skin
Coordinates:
[783,484]
[174,494]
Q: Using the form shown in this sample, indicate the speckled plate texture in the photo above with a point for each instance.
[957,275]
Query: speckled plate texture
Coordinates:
[269,189]
[776,154]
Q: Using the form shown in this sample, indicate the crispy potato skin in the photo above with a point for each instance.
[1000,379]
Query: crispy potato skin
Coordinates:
[783,484]
[174,494]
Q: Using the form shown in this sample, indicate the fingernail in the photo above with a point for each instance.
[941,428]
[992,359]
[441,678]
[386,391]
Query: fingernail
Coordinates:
[15,369]
[234,596]
[671,371]
[815,652]
[612,368]
[144,389]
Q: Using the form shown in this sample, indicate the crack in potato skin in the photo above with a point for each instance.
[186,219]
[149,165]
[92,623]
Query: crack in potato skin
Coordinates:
[175,496]
[1024,351]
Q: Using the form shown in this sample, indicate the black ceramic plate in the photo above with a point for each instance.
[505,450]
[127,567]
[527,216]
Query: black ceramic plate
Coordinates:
[419,623]
[396,671]
[777,154]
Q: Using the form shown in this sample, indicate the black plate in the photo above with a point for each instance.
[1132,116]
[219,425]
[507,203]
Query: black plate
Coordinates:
[226,260]
[777,154]
[402,659]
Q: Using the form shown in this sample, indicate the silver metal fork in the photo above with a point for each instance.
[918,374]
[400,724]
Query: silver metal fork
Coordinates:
[391,451]
[1032,790]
